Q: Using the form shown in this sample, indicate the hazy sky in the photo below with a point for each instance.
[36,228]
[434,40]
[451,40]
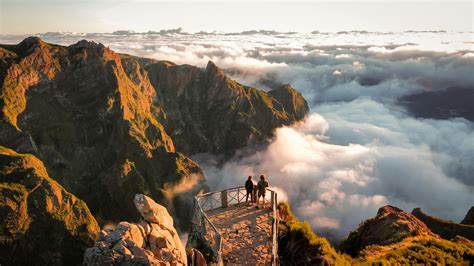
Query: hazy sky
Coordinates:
[39,16]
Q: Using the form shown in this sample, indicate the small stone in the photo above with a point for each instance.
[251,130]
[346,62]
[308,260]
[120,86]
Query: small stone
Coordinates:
[103,234]
[123,226]
[102,245]
[134,237]
[120,247]
[114,236]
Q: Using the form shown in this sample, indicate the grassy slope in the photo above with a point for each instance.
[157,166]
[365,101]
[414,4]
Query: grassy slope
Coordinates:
[299,245]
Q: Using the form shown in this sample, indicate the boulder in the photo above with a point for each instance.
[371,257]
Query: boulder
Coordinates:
[153,212]
[152,241]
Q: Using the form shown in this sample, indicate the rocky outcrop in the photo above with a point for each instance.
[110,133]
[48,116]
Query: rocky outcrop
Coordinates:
[445,229]
[108,126]
[217,113]
[469,218]
[152,241]
[295,105]
[41,223]
[391,225]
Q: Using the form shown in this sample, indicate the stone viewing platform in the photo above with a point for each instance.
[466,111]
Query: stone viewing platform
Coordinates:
[233,232]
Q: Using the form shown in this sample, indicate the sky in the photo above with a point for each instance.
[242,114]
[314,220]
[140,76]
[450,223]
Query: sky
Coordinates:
[35,16]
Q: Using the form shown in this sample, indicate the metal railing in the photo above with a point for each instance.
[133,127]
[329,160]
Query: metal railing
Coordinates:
[223,199]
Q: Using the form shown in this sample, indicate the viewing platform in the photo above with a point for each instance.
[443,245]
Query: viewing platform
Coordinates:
[236,233]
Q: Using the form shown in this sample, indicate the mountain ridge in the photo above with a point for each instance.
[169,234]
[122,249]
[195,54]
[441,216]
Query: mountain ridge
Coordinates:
[107,126]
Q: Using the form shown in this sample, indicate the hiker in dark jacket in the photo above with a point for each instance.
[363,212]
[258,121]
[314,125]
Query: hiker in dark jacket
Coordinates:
[261,189]
[249,188]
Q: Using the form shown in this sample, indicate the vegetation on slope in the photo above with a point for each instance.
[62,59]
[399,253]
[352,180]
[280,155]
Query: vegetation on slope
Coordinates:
[43,223]
[445,229]
[299,245]
[396,237]
[424,251]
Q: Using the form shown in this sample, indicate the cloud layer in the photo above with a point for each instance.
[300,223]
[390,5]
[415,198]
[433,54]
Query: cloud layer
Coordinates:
[359,148]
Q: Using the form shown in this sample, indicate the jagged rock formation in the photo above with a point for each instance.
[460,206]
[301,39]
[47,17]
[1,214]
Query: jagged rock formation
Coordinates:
[217,113]
[153,241]
[391,225]
[445,229]
[108,126]
[469,218]
[41,223]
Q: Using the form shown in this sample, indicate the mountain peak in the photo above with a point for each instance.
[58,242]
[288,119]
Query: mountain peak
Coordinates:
[87,44]
[469,218]
[213,69]
[387,209]
[29,44]
[292,100]
[391,225]
[32,40]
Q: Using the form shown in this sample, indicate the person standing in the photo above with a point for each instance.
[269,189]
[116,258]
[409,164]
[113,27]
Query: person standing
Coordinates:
[261,189]
[249,189]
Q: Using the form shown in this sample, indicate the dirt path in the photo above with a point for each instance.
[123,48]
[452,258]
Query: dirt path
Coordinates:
[246,232]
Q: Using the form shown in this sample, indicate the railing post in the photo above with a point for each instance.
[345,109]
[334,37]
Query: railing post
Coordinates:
[273,198]
[224,198]
[203,225]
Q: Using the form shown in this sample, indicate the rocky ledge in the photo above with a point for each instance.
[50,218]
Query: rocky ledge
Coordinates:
[152,241]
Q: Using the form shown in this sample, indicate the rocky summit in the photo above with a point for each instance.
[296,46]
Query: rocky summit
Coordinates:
[152,241]
[391,225]
[106,126]
[469,218]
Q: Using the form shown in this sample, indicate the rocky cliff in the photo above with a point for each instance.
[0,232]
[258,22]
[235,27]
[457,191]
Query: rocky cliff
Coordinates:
[41,223]
[217,113]
[108,126]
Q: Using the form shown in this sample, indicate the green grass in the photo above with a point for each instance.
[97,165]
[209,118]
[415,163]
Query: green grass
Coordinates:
[298,244]
[428,251]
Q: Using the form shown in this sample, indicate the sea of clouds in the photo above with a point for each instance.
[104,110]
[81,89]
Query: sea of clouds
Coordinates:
[359,148]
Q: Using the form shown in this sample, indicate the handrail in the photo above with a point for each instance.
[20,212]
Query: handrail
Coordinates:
[219,236]
[226,200]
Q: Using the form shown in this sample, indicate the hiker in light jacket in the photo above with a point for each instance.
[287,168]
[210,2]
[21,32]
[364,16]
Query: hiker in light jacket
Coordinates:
[261,189]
